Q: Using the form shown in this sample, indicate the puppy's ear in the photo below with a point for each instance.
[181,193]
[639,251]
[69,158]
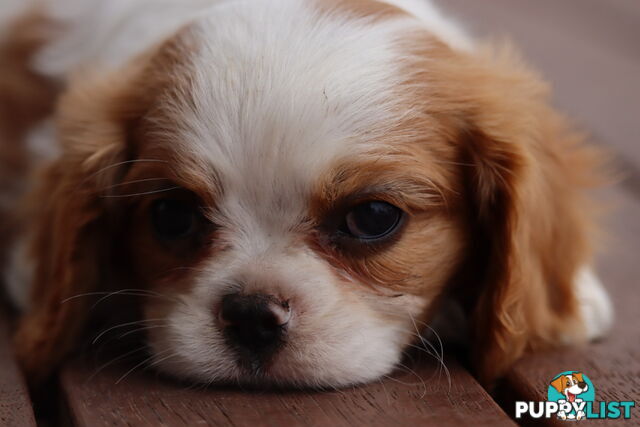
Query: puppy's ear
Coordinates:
[530,220]
[65,247]
[558,383]
[67,234]
[578,376]
[96,120]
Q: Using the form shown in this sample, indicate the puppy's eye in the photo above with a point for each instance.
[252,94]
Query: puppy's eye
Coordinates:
[174,219]
[372,220]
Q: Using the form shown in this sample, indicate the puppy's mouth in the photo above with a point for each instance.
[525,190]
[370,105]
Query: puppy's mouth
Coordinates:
[571,397]
[255,360]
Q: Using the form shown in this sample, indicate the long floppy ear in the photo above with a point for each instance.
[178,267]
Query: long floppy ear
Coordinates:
[68,227]
[96,120]
[530,222]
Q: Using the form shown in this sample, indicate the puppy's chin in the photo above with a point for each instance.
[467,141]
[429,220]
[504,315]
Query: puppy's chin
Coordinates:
[350,349]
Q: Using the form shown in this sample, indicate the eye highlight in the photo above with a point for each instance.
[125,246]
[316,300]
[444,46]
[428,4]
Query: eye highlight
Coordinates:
[372,220]
[173,218]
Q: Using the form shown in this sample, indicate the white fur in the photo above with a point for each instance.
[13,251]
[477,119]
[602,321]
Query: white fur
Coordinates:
[595,306]
[268,126]
[18,273]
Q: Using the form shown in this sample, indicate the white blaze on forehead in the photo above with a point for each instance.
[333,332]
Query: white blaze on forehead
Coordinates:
[279,90]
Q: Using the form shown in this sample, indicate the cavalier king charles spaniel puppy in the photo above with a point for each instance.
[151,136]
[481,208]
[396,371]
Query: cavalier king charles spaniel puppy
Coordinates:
[291,188]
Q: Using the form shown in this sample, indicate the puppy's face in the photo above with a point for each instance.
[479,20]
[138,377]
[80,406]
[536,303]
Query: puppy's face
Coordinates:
[299,183]
[292,288]
[289,209]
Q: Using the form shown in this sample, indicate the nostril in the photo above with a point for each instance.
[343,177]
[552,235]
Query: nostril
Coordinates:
[255,322]
[281,312]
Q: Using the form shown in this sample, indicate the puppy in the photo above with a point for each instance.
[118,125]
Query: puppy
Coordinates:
[570,386]
[292,188]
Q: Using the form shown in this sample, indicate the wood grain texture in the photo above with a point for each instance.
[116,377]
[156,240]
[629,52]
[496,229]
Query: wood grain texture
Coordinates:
[143,399]
[15,405]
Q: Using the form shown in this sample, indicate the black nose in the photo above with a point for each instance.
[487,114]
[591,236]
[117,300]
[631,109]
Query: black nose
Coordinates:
[582,384]
[254,324]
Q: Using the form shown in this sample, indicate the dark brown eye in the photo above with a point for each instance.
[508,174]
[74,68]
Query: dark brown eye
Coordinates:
[174,219]
[372,220]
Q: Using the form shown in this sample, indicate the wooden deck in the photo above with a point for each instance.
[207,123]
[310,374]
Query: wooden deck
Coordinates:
[590,51]
[15,405]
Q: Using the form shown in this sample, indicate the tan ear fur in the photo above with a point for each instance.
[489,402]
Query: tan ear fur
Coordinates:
[96,121]
[65,248]
[527,182]
[523,175]
[68,225]
[578,376]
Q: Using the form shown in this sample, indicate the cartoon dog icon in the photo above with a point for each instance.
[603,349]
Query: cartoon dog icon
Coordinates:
[570,385]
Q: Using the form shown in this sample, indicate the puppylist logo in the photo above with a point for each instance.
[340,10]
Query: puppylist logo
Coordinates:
[571,396]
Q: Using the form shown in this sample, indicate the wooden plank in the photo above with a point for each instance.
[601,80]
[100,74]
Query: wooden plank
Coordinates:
[587,49]
[406,398]
[15,405]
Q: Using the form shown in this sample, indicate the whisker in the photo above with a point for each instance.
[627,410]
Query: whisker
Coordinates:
[424,385]
[144,328]
[156,361]
[115,165]
[135,181]
[135,292]
[122,325]
[112,361]
[144,193]
[139,364]
[427,343]
[386,393]
[438,338]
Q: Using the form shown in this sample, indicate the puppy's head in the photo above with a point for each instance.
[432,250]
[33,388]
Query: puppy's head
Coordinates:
[294,187]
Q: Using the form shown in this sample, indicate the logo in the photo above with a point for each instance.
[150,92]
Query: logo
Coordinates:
[571,396]
[574,389]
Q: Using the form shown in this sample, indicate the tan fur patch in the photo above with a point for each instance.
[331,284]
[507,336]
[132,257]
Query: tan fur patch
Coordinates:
[525,173]
[96,120]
